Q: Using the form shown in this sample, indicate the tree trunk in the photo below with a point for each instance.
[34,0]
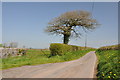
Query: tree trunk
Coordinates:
[66,39]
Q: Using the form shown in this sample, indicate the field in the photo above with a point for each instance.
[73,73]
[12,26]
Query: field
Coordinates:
[108,63]
[34,57]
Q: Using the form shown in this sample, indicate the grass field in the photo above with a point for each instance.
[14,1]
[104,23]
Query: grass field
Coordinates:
[108,64]
[34,57]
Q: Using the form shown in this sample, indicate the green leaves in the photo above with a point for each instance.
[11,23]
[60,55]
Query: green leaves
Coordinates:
[108,64]
[61,49]
[0,45]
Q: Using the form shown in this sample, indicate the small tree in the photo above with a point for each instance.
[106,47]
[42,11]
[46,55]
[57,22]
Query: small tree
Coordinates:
[69,23]
[1,45]
[5,45]
[13,45]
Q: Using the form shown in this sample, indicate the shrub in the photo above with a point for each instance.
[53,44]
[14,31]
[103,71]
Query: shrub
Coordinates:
[113,47]
[59,49]
[108,57]
[108,65]
[0,45]
[22,51]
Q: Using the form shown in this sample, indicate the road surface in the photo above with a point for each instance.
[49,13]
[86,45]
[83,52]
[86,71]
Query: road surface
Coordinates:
[80,68]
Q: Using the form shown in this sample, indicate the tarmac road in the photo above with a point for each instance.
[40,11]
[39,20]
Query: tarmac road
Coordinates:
[80,68]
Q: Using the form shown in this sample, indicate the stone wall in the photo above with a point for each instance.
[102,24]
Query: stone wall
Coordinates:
[5,52]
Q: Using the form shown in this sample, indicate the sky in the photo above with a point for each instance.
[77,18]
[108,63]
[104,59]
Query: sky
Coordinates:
[60,0]
[25,22]
[0,22]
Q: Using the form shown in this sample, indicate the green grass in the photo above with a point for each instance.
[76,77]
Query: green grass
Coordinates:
[0,45]
[109,64]
[35,57]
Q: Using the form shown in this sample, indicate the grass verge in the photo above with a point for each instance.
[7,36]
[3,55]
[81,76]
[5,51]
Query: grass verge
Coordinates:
[108,64]
[34,57]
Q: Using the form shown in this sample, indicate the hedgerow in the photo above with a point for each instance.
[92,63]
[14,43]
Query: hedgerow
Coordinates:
[109,61]
[113,47]
[61,49]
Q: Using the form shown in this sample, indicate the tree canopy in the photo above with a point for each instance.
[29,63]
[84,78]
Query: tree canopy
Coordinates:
[69,23]
[0,45]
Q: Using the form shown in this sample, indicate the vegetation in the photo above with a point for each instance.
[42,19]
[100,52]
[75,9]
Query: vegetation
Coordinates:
[22,51]
[61,49]
[113,47]
[69,24]
[10,45]
[34,57]
[0,45]
[109,61]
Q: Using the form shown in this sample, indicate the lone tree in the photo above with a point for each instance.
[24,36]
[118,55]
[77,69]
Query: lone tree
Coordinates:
[69,24]
[13,45]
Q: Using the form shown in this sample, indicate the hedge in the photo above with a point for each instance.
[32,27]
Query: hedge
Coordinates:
[113,47]
[61,49]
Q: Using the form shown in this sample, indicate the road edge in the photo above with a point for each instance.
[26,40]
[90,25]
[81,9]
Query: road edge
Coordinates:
[95,68]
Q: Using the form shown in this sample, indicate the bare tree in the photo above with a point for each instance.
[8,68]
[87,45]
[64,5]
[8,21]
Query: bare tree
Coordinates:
[69,24]
[13,44]
[5,45]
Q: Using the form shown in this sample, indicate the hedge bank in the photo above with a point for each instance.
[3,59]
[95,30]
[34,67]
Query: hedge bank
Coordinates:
[113,47]
[61,49]
[108,61]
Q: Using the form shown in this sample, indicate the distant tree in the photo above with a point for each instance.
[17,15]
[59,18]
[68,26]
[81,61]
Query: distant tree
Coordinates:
[13,45]
[69,24]
[0,45]
[30,48]
[23,46]
[5,45]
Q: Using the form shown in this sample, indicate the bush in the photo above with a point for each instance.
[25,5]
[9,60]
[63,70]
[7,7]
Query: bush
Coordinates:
[74,48]
[108,64]
[113,47]
[59,49]
[109,60]
[0,45]
[22,51]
